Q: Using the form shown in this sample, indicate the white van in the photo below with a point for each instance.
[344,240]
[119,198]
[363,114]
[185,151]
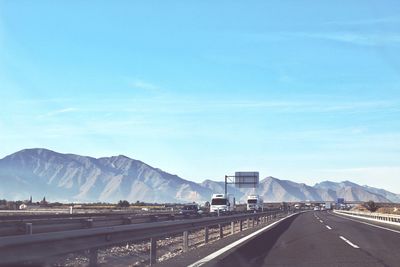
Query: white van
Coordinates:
[222,203]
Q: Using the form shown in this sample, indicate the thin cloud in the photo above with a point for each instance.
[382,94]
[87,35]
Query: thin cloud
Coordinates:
[355,38]
[308,106]
[140,84]
[59,111]
[365,21]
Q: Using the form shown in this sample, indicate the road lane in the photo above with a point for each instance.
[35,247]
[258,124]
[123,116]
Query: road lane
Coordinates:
[378,243]
[304,241]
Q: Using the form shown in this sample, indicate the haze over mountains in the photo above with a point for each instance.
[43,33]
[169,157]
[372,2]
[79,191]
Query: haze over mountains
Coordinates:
[74,178]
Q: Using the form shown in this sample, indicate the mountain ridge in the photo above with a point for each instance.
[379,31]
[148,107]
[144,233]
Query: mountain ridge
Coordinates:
[74,178]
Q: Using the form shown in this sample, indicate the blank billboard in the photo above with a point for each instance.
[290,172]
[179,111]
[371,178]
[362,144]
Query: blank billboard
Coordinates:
[246,179]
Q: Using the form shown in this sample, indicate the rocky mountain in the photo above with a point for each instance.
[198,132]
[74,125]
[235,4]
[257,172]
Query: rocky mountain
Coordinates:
[350,190]
[69,177]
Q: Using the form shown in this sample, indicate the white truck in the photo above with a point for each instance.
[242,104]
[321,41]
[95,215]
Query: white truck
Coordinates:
[221,203]
[328,205]
[255,203]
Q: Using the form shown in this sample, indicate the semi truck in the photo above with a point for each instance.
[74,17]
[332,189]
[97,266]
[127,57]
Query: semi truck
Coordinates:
[221,203]
[255,203]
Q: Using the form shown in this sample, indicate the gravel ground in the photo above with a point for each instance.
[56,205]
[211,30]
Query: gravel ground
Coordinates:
[137,254]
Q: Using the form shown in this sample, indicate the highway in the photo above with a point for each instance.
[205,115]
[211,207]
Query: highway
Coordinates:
[316,239]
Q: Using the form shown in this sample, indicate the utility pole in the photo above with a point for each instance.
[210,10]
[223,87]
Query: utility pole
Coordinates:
[226,185]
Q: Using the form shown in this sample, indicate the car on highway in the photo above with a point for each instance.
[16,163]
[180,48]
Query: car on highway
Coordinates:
[316,208]
[191,209]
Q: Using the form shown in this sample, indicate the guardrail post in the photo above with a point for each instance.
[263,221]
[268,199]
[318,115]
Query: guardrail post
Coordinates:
[247,223]
[185,241]
[88,223]
[127,220]
[28,228]
[240,225]
[232,227]
[221,231]
[93,257]
[206,234]
[153,251]
[253,222]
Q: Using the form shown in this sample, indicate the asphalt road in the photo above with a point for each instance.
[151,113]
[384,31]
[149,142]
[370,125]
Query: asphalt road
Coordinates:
[317,239]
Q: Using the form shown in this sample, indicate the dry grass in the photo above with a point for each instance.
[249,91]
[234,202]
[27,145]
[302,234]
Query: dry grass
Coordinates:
[388,209]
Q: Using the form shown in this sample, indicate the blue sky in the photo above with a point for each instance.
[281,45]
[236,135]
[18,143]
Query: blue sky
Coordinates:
[300,90]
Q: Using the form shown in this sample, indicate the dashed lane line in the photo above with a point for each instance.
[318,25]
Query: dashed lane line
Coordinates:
[329,228]
[348,242]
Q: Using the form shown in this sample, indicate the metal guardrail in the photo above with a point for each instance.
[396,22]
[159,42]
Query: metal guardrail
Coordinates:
[386,218]
[39,247]
[50,224]
[53,223]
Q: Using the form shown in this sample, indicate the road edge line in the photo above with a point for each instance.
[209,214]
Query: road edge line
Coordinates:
[236,243]
[369,219]
[370,224]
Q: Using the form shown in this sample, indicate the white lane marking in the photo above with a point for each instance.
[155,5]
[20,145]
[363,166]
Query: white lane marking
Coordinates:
[329,228]
[370,224]
[321,221]
[234,244]
[348,242]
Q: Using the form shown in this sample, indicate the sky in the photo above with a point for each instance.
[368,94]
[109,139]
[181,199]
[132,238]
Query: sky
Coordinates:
[300,90]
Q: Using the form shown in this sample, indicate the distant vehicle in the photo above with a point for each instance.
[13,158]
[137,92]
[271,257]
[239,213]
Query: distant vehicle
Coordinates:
[222,203]
[328,205]
[23,206]
[297,206]
[255,203]
[316,208]
[191,209]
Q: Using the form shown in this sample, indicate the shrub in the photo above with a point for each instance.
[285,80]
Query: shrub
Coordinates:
[371,206]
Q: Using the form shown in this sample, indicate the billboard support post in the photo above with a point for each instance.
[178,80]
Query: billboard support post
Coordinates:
[242,180]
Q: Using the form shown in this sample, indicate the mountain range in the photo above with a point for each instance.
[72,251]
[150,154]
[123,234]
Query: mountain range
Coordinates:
[72,178]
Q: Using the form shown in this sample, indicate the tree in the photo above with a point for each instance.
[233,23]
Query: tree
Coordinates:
[371,206]
[123,204]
